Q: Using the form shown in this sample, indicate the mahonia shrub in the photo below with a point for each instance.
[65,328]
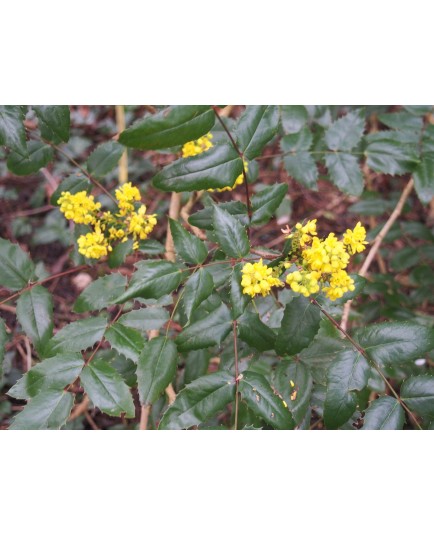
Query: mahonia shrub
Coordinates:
[195,317]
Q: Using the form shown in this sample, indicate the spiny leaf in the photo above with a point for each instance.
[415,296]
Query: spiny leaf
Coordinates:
[77,336]
[54,122]
[345,133]
[189,247]
[49,410]
[345,172]
[12,133]
[145,319]
[197,289]
[384,413]
[16,268]
[37,156]
[418,394]
[127,341]
[231,235]
[255,333]
[100,293]
[266,202]
[104,158]
[256,127]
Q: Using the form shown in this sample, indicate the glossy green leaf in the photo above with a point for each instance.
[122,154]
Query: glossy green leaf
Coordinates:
[105,158]
[255,333]
[303,168]
[402,121]
[231,235]
[16,268]
[12,133]
[120,251]
[37,156]
[152,279]
[209,331]
[35,314]
[197,289]
[107,390]
[300,323]
[293,118]
[151,247]
[196,365]
[424,179]
[345,172]
[384,413]
[49,410]
[100,293]
[216,168]
[156,368]
[298,142]
[266,202]
[293,381]
[54,373]
[204,218]
[54,122]
[345,133]
[145,319]
[76,182]
[189,247]
[127,341]
[239,301]
[261,399]
[77,336]
[417,392]
[172,126]
[391,152]
[199,401]
[348,373]
[256,127]
[3,340]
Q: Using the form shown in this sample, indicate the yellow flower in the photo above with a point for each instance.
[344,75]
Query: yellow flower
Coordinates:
[258,279]
[340,282]
[140,225]
[79,207]
[193,148]
[93,245]
[304,282]
[355,239]
[125,195]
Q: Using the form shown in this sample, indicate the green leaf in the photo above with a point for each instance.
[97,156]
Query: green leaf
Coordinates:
[266,202]
[117,257]
[256,127]
[391,152]
[402,121]
[77,336]
[156,368]
[49,410]
[76,182]
[261,399]
[255,333]
[239,301]
[345,172]
[127,341]
[300,323]
[151,247]
[54,122]
[298,142]
[145,319]
[37,156]
[423,177]
[348,373]
[199,401]
[172,126]
[417,392]
[189,247]
[196,365]
[16,268]
[302,167]
[35,314]
[204,218]
[216,168]
[297,373]
[100,293]
[197,289]
[104,158]
[54,373]
[293,118]
[384,413]
[3,340]
[107,390]
[396,343]
[12,133]
[345,133]
[152,279]
[231,235]
[209,331]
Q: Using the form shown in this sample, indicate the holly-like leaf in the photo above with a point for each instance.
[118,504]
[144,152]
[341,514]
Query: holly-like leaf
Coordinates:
[231,235]
[209,331]
[54,122]
[261,399]
[156,368]
[77,336]
[107,390]
[12,133]
[402,121]
[417,392]
[197,289]
[266,202]
[423,177]
[54,373]
[196,365]
[172,126]
[239,301]
[76,182]
[293,381]
[392,152]
[145,319]
[302,167]
[127,341]
[204,218]
[16,268]
[35,314]
[345,133]
[345,172]
[37,156]
[119,253]
[256,127]
[189,247]
[3,340]
[100,293]
[293,118]
[255,333]
[104,158]
[300,323]
[199,401]
[384,413]
[49,410]
[216,168]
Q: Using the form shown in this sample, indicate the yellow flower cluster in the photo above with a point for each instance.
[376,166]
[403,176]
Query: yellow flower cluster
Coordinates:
[321,263]
[258,279]
[193,148]
[107,227]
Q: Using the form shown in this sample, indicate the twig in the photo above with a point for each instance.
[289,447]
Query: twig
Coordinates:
[376,244]
[234,329]
[120,126]
[174,210]
[144,416]
[90,420]
[79,408]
